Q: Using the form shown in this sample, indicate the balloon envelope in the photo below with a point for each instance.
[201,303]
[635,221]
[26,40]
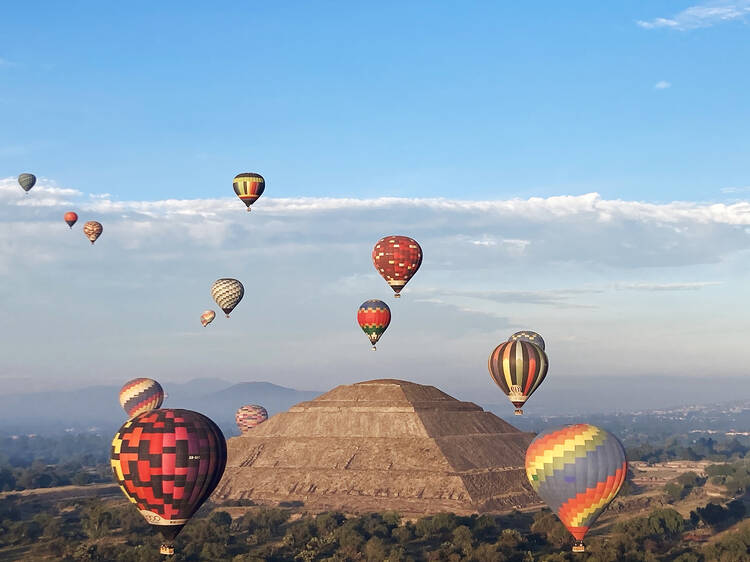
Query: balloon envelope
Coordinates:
[93,230]
[141,395]
[26,181]
[70,218]
[207,317]
[518,368]
[250,415]
[249,187]
[577,470]
[227,293]
[397,259]
[373,316]
[168,462]
[529,336]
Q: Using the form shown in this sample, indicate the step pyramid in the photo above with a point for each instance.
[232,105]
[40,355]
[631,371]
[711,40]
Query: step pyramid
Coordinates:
[382,445]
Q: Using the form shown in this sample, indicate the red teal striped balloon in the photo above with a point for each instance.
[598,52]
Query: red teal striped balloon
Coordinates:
[577,471]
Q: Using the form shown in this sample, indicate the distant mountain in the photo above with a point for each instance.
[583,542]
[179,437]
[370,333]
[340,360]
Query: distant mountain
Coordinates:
[98,406]
[221,405]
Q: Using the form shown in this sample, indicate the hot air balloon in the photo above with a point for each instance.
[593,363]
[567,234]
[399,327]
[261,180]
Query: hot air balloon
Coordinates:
[26,181]
[71,218]
[141,395]
[93,230]
[248,187]
[207,317]
[373,317]
[168,462]
[518,368]
[529,336]
[397,259]
[227,293]
[577,470]
[247,417]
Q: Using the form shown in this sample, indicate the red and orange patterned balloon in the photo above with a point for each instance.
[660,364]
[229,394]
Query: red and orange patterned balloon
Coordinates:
[250,415]
[167,463]
[397,259]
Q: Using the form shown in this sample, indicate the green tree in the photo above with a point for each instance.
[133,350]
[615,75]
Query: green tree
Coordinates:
[510,539]
[665,523]
[375,550]
[404,534]
[674,491]
[329,521]
[96,519]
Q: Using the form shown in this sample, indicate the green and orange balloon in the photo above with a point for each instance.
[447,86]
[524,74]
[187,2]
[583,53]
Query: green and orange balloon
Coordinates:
[373,317]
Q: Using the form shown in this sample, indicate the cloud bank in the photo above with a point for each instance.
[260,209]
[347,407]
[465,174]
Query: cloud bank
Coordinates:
[583,270]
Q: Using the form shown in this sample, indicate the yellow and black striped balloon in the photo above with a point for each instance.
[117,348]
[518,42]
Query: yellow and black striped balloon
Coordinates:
[249,187]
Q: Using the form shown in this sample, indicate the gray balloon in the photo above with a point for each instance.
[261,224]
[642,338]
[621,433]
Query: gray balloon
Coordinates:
[27,181]
[529,336]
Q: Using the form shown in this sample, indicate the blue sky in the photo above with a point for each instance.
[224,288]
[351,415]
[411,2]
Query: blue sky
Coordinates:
[578,171]
[406,99]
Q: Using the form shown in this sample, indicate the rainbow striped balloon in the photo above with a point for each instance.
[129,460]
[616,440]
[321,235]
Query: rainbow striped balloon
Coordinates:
[141,395]
[577,470]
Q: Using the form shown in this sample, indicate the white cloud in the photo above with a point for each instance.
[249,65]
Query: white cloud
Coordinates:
[744,189]
[132,299]
[687,286]
[701,15]
[662,85]
[559,298]
[535,209]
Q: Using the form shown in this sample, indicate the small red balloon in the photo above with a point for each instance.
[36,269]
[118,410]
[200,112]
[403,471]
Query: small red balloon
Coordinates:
[71,218]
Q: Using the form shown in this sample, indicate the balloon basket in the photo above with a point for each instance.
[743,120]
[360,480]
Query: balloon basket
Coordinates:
[167,549]
[396,295]
[578,546]
[227,315]
[374,348]
[248,209]
[518,412]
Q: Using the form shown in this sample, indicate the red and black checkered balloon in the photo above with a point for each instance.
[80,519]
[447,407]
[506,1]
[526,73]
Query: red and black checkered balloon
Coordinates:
[167,462]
